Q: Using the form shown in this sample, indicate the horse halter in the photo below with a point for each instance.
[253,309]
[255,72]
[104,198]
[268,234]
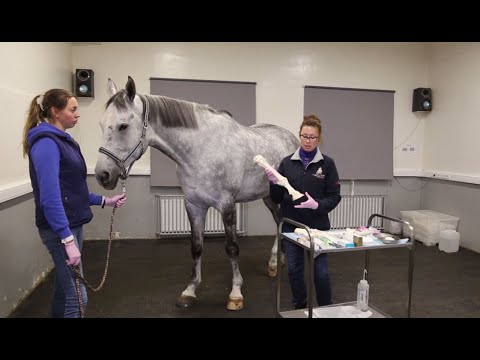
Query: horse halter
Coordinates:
[120,162]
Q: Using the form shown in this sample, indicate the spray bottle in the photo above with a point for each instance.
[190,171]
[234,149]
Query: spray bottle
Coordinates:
[362,293]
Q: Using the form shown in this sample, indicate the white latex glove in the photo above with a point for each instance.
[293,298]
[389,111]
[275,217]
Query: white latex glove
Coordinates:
[309,204]
[270,176]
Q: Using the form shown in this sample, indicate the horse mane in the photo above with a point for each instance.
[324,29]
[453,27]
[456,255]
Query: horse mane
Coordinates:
[171,112]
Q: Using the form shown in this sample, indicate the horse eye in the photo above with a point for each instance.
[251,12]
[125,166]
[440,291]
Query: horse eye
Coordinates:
[122,127]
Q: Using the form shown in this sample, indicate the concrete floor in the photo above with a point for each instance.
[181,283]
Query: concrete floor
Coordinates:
[146,276]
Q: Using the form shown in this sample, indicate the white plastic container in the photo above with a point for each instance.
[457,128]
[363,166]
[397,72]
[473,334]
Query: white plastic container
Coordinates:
[449,241]
[427,225]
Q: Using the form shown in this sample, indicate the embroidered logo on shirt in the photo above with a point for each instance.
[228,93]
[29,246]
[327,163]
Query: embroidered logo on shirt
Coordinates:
[319,174]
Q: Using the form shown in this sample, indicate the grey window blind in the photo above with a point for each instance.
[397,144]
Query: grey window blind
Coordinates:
[357,129]
[238,98]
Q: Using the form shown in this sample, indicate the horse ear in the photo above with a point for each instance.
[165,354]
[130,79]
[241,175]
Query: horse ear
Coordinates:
[111,87]
[130,87]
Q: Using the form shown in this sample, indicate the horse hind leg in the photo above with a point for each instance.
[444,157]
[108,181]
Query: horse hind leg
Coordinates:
[196,216]
[235,299]
[272,263]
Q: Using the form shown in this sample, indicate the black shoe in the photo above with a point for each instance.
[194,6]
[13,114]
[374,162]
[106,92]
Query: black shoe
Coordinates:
[301,306]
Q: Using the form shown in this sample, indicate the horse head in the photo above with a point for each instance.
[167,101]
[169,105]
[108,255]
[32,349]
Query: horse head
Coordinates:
[124,132]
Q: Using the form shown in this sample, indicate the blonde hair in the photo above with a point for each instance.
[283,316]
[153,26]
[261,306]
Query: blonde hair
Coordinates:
[313,121]
[40,111]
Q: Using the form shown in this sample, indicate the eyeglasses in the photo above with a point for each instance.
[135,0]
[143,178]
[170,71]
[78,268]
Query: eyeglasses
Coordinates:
[306,137]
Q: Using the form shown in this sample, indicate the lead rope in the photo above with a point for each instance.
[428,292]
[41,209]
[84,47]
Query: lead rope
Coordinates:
[78,275]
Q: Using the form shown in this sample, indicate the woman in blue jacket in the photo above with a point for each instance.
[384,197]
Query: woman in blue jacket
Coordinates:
[314,174]
[62,201]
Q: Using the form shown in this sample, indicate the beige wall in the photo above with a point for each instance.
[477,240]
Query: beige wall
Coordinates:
[451,134]
[27,70]
[279,69]
[445,139]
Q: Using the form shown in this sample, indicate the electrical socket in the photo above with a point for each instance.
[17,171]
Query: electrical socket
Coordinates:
[116,234]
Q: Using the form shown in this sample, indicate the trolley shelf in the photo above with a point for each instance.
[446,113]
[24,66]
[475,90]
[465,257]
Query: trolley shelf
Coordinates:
[303,313]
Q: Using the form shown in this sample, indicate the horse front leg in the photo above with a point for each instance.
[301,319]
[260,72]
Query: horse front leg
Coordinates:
[196,215]
[235,299]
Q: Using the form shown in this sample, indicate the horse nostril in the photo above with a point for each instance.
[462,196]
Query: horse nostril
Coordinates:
[105,177]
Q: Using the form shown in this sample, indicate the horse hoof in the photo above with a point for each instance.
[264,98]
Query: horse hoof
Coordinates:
[235,304]
[185,301]
[272,272]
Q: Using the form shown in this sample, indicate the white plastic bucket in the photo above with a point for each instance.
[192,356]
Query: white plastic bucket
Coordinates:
[449,241]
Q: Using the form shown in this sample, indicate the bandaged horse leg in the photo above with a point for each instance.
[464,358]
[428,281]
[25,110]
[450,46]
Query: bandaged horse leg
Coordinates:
[282,180]
[272,263]
[196,215]
[229,216]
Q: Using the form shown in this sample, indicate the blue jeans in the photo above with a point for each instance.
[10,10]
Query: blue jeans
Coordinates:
[65,298]
[295,255]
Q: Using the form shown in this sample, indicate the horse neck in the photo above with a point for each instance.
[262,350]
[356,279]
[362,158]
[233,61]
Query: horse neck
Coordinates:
[175,142]
[172,143]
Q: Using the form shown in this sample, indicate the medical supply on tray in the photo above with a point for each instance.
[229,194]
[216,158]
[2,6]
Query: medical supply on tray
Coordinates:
[339,238]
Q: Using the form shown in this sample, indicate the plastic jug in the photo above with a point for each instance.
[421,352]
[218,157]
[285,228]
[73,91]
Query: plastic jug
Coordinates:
[449,241]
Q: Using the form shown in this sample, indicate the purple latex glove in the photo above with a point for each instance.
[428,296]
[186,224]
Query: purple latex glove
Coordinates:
[309,204]
[73,253]
[117,200]
[270,176]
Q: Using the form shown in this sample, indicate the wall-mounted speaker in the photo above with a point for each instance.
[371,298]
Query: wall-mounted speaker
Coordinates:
[84,83]
[422,99]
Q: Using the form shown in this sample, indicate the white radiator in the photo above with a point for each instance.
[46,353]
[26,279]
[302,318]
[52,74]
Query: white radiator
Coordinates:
[172,218]
[354,211]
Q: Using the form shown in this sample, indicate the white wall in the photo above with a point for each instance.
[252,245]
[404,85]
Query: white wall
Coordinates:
[452,129]
[280,70]
[27,70]
[445,139]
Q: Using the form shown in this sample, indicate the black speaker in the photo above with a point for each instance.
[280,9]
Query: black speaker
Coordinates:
[422,99]
[84,84]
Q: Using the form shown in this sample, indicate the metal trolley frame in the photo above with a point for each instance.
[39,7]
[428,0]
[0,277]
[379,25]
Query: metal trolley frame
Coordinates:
[311,254]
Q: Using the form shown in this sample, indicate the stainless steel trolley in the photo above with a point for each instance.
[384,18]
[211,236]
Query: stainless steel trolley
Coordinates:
[312,253]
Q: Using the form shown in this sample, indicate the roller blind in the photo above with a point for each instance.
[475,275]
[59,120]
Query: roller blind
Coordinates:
[357,129]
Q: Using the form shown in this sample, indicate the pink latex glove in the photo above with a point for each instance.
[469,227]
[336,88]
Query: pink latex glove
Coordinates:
[117,200]
[73,253]
[270,176]
[309,204]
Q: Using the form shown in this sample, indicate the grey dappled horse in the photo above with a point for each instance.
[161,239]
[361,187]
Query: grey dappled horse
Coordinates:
[214,154]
